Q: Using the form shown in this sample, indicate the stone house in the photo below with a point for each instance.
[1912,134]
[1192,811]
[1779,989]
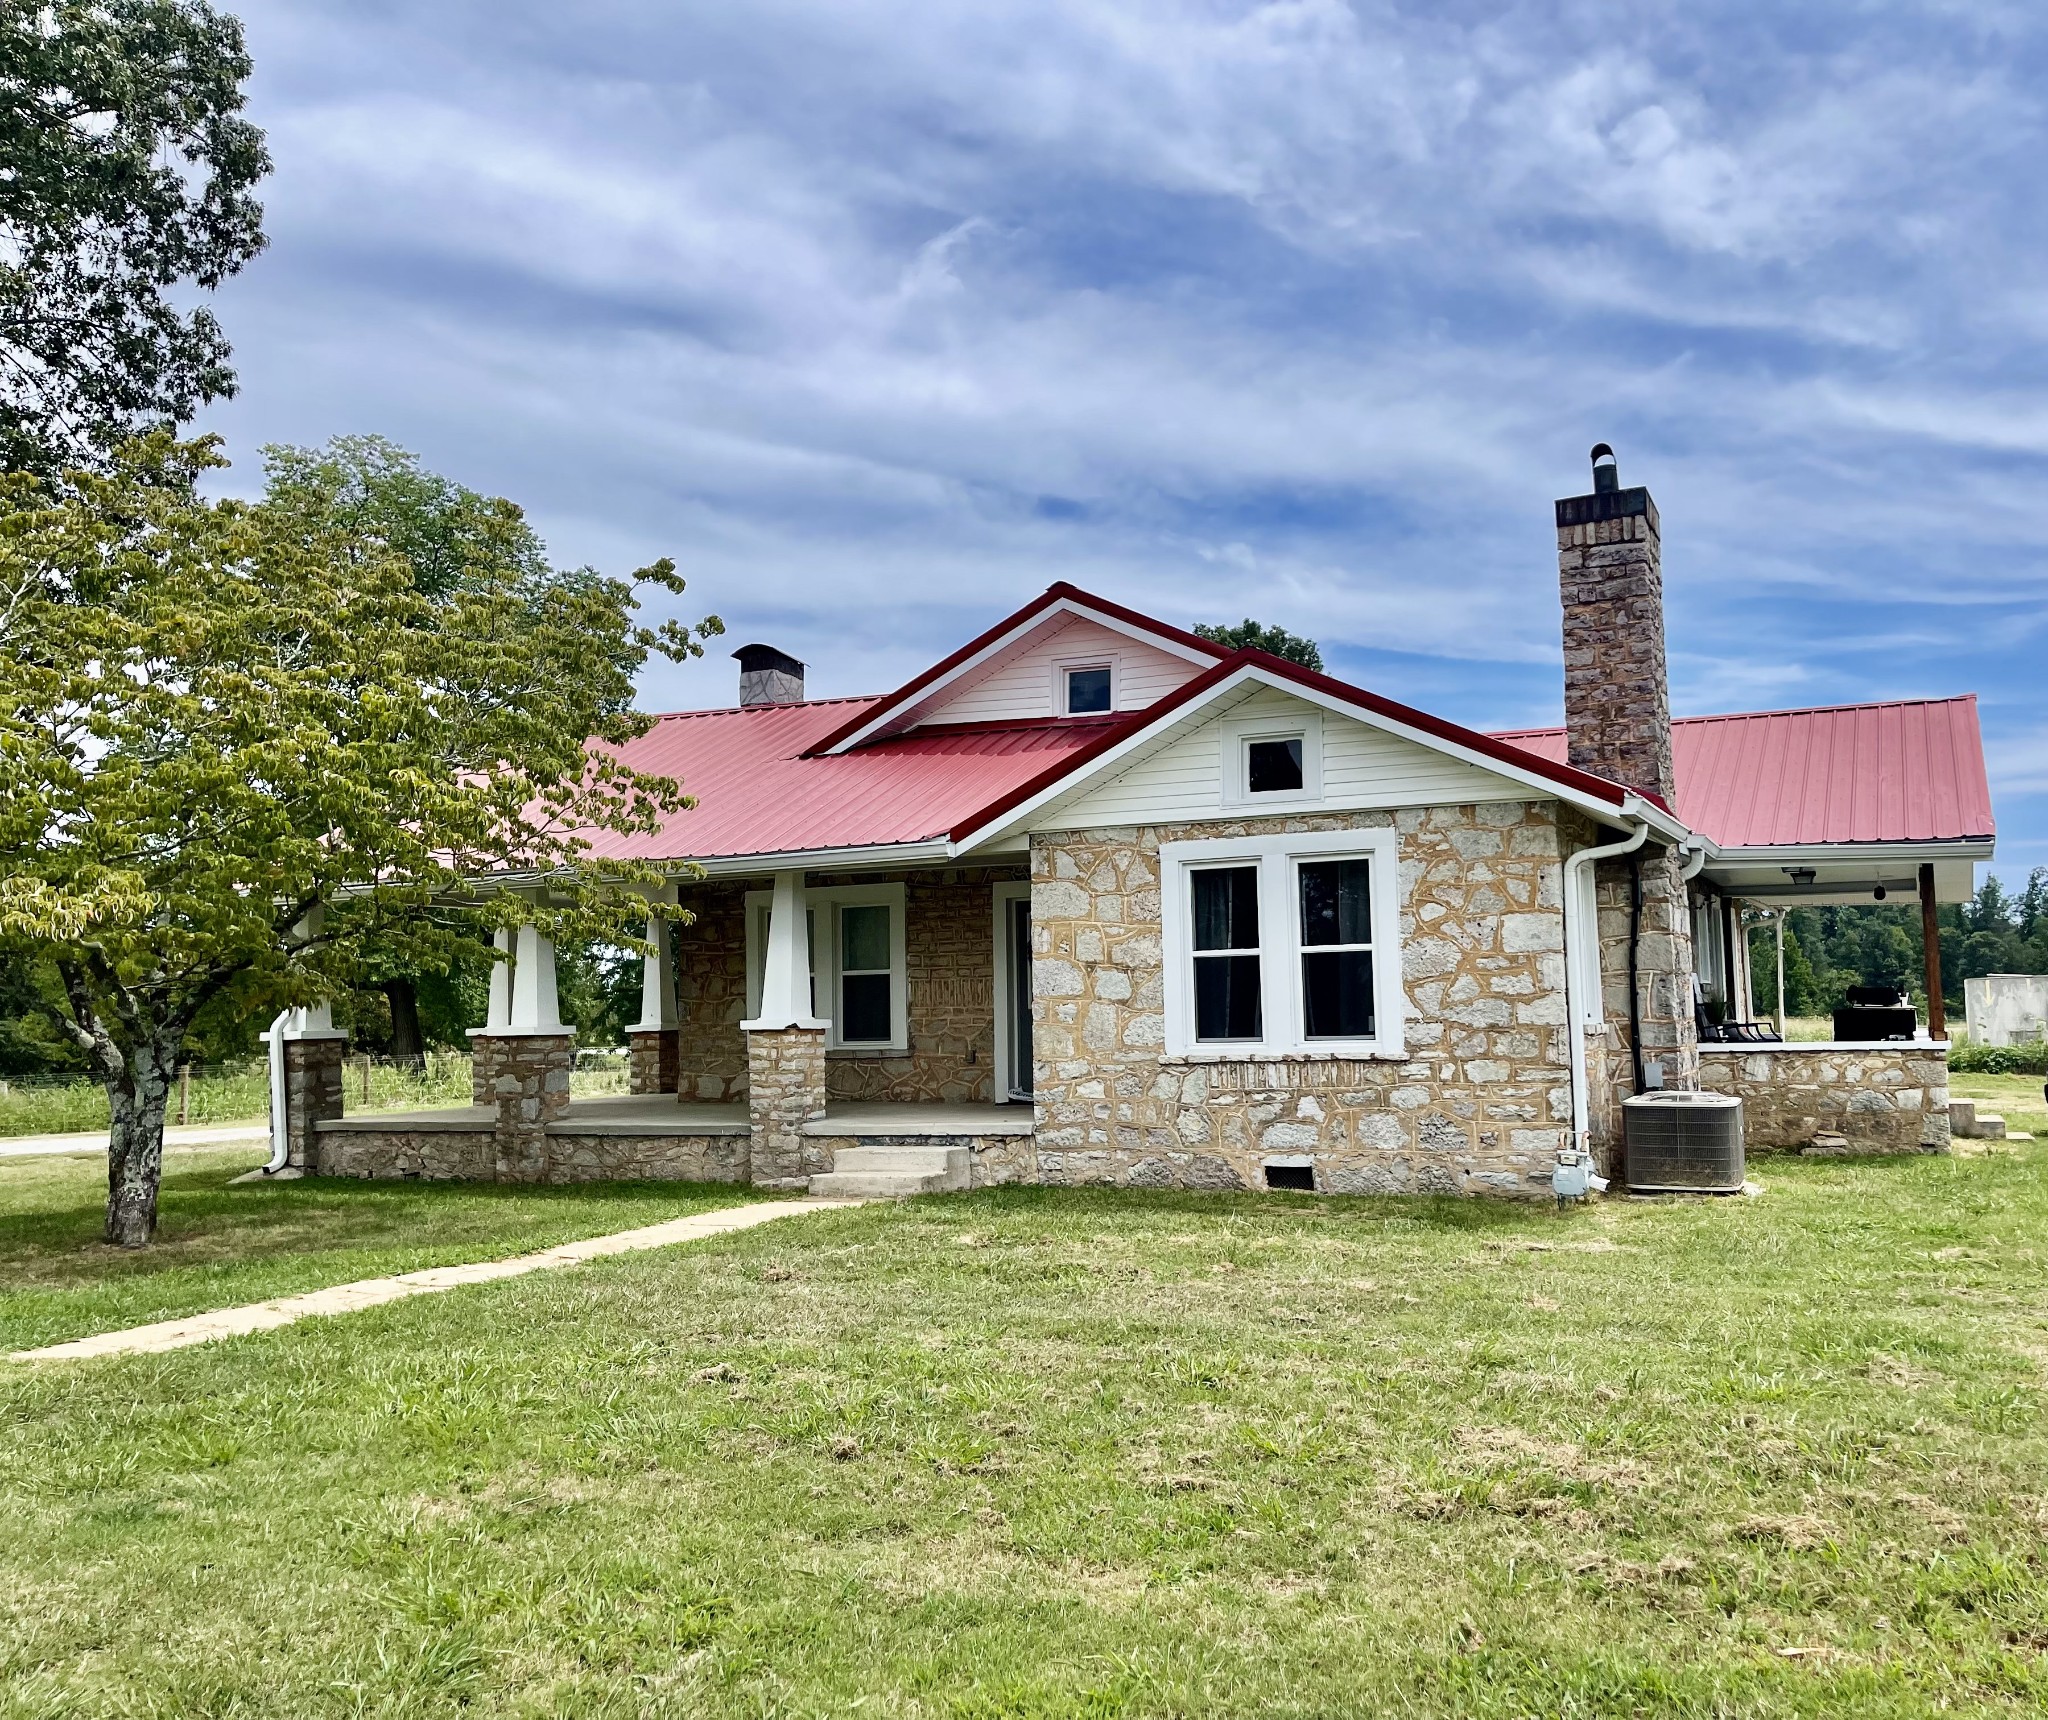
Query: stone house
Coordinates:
[1094,899]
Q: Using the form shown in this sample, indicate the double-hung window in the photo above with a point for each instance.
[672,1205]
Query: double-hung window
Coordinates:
[1283,945]
[857,963]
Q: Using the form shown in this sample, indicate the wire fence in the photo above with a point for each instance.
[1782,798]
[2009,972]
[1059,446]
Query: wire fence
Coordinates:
[220,1093]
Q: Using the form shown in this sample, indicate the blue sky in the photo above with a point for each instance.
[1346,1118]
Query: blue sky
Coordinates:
[879,318]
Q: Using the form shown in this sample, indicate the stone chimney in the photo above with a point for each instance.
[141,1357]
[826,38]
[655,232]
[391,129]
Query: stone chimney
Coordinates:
[1617,719]
[1617,705]
[770,677]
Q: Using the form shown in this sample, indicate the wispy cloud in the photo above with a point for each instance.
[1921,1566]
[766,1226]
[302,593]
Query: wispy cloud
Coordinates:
[880,321]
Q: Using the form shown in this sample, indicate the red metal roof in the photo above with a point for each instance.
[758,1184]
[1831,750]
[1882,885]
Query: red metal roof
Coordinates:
[757,792]
[1059,591]
[1906,770]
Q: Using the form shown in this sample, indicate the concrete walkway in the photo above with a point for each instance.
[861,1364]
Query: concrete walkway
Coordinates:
[369,1292]
[95,1140]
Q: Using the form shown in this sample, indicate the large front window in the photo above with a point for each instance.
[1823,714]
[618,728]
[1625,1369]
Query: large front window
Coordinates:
[864,974]
[1282,945]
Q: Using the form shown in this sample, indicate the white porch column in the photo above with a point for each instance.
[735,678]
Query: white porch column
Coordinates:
[657,983]
[785,1049]
[786,976]
[534,1008]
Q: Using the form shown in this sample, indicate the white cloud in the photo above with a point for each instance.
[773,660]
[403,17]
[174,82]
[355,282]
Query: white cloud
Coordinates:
[880,321]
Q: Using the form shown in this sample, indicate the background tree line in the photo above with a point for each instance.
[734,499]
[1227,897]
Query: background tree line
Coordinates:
[1827,950]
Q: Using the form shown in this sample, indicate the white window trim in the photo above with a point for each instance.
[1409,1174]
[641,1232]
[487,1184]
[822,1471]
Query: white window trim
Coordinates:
[825,904]
[1110,660]
[1280,948]
[1005,894]
[1236,740]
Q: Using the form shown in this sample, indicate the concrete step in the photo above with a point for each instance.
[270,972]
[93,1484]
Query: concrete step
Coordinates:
[1970,1124]
[893,1172]
[878,1185]
[923,1160]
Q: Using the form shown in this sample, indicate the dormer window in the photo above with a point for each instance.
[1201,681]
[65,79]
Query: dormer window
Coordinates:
[1087,689]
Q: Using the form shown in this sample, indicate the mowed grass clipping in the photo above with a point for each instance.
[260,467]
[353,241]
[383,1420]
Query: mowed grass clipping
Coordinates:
[1041,1452]
[222,1243]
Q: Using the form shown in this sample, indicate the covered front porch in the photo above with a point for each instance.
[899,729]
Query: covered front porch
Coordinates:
[795,1028]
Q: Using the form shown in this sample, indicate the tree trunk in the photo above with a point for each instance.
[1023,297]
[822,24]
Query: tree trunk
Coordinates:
[135,1147]
[406,1044]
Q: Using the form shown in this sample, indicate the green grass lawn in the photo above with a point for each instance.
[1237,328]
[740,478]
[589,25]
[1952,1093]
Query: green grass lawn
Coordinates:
[1042,1452]
[221,1244]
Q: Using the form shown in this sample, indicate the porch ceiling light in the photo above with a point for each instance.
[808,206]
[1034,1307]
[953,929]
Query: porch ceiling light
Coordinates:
[1801,874]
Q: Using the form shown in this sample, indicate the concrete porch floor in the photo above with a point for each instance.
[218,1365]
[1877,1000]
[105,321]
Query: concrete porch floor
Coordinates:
[868,1119]
[663,1114]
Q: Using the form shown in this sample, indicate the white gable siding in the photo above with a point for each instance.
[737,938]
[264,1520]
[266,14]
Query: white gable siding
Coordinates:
[1362,767]
[1019,683]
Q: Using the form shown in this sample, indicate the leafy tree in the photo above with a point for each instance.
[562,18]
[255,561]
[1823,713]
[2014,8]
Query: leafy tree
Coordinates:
[125,178]
[375,499]
[1277,640]
[215,722]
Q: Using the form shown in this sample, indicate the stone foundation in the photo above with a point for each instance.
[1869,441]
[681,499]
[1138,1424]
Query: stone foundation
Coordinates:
[612,1157]
[786,1090]
[312,1093]
[1480,1103]
[467,1152]
[1880,1098]
[453,1154]
[654,1060]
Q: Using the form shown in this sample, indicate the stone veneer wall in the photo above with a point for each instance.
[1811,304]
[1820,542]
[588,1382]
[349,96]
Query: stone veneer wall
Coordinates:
[786,1090]
[531,1087]
[1482,1101]
[312,1093]
[950,975]
[1882,1099]
[651,1060]
[949,972]
[1664,968]
[711,994]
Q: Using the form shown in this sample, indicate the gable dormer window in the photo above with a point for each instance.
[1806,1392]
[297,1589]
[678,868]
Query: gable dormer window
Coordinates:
[1273,766]
[1086,689]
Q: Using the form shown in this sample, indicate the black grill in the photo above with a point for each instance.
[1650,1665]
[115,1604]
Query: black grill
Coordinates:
[1687,1143]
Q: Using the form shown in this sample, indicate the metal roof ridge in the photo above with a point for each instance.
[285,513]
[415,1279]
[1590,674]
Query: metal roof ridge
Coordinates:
[754,710]
[1821,710]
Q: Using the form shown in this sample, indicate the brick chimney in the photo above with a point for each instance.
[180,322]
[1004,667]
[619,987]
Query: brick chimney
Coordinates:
[1617,704]
[769,677]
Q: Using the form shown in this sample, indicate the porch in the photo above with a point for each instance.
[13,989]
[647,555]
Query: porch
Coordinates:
[794,1029]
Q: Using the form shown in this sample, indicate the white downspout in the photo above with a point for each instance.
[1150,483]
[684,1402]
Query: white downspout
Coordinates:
[1576,931]
[279,1140]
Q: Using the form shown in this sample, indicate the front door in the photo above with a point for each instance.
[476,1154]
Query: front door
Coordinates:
[1017,935]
